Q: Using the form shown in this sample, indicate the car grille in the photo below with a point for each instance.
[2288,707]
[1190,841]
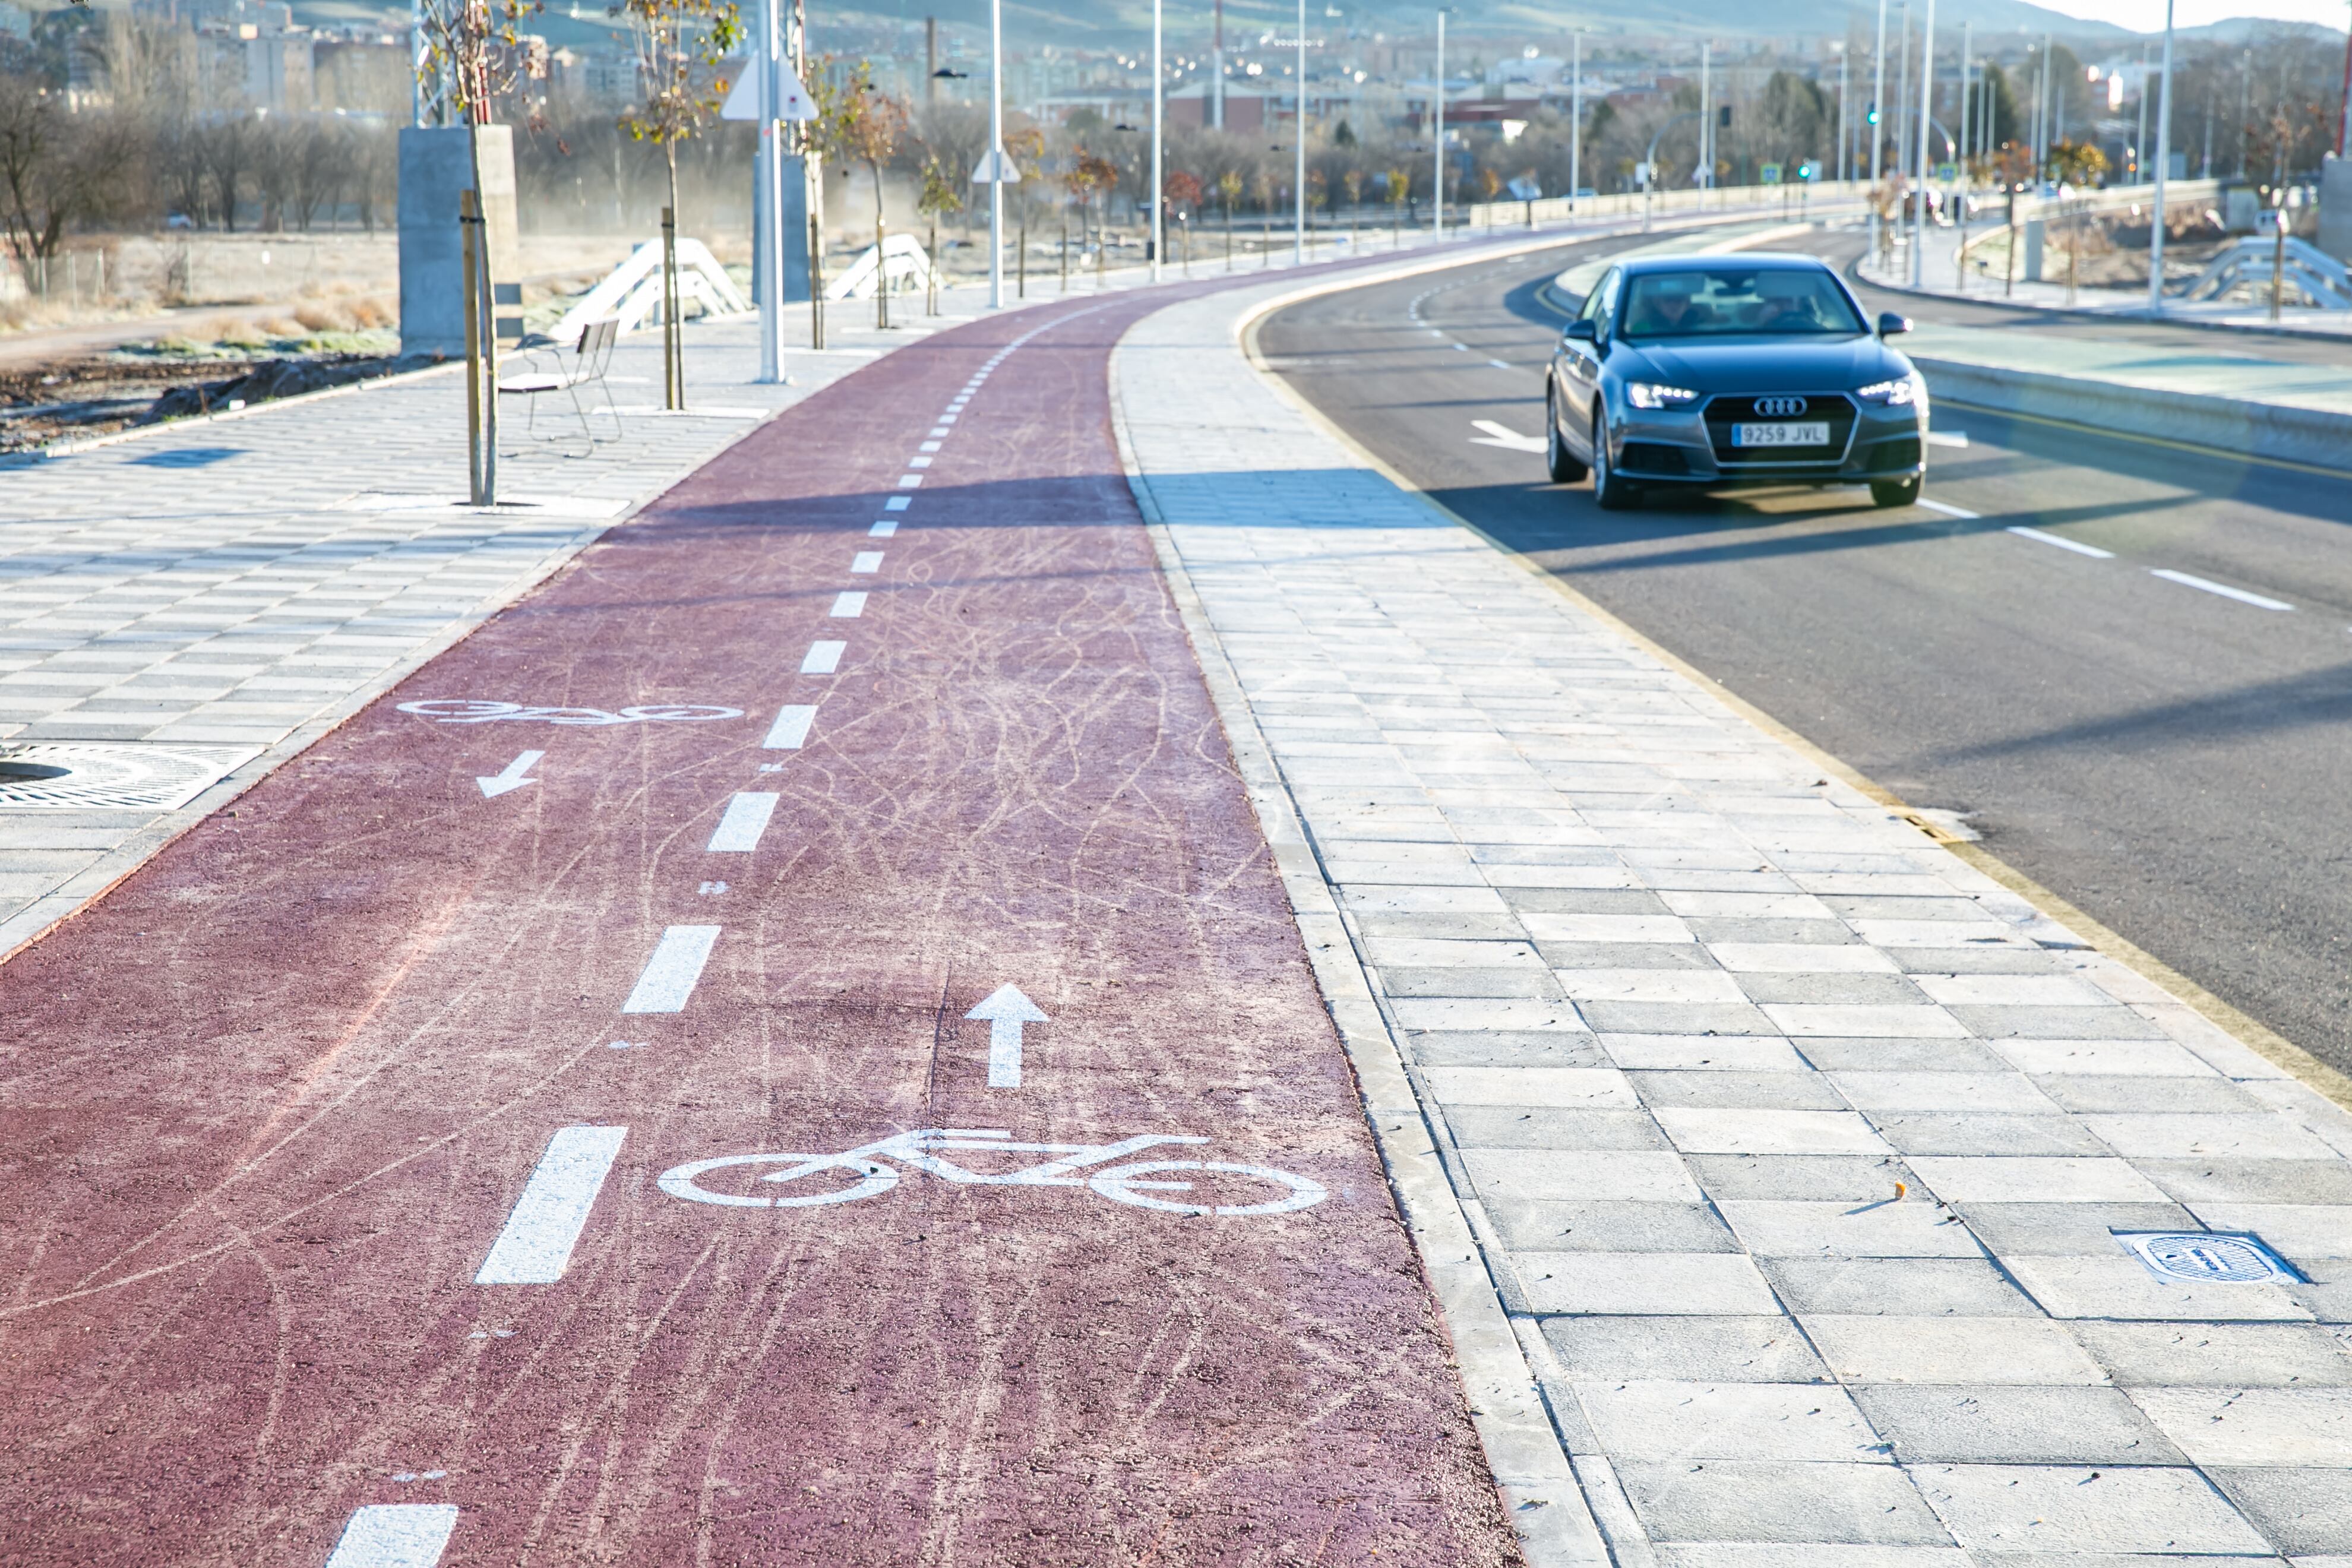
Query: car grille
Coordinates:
[1723,413]
[1653,458]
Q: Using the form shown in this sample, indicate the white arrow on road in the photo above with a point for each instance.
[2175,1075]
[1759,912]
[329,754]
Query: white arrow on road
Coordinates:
[1503,435]
[1005,1011]
[512,778]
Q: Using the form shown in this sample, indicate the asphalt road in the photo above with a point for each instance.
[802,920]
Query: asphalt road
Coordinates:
[2169,758]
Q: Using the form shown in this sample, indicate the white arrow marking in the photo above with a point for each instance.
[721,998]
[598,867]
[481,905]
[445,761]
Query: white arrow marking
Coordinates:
[512,778]
[1503,435]
[1005,1011]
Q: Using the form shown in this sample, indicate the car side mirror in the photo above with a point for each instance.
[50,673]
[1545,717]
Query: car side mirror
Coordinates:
[1889,323]
[1581,330]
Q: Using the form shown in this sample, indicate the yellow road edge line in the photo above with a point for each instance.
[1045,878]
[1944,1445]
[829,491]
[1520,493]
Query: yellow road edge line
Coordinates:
[2258,1038]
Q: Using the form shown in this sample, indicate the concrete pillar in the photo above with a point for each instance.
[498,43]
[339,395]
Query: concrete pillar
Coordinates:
[435,166]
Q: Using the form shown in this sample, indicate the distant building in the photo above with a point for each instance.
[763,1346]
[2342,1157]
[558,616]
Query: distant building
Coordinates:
[364,73]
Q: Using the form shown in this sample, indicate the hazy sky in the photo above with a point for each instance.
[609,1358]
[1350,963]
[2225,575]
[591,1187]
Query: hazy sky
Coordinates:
[2148,15]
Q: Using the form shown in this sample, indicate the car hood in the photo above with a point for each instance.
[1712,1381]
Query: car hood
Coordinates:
[1761,364]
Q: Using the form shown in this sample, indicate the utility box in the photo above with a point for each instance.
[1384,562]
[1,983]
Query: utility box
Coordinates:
[437,164]
[2335,206]
[2242,206]
[2030,270]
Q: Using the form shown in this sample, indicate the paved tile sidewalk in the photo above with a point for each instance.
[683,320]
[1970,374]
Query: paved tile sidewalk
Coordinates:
[1795,1148]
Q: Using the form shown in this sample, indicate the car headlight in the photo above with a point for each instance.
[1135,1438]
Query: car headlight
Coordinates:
[1650,394]
[1894,394]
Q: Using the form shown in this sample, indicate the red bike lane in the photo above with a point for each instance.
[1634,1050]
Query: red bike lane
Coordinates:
[386,1163]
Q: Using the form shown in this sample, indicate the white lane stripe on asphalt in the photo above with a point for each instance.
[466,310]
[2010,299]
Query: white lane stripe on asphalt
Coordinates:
[931,446]
[790,732]
[670,974]
[746,819]
[898,504]
[865,561]
[1947,439]
[2186,581]
[919,462]
[822,657]
[395,1535]
[848,606]
[1959,511]
[2093,551]
[535,1247]
[1499,364]
[884,528]
[910,481]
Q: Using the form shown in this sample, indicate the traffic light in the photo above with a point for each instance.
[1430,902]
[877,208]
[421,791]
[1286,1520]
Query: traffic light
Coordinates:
[1872,116]
[1723,116]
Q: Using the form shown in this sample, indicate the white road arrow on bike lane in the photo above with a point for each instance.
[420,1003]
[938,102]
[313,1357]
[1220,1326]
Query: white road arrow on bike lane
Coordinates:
[1006,1010]
[499,784]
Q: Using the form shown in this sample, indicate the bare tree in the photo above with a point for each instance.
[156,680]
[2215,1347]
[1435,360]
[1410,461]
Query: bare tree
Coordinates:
[57,169]
[226,146]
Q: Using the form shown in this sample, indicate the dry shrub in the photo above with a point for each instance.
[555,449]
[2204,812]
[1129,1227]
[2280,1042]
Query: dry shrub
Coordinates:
[282,327]
[372,313]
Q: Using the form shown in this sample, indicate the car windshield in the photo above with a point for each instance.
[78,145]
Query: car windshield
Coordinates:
[1720,300]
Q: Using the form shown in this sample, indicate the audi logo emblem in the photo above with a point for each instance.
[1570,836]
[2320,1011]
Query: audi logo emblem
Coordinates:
[1780,407]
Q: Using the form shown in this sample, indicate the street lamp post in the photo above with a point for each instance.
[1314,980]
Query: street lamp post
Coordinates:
[1926,121]
[1159,229]
[1877,98]
[2163,167]
[1437,122]
[1576,122]
[1298,178]
[996,154]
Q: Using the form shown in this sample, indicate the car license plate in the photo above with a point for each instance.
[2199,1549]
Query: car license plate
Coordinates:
[1788,433]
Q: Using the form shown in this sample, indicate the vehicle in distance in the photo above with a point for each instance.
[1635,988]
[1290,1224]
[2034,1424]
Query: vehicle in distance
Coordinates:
[1702,372]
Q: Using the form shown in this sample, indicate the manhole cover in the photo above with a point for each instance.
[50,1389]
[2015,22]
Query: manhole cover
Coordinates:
[2207,1257]
[93,775]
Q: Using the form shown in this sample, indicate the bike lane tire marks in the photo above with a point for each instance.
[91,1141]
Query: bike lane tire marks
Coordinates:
[1020,781]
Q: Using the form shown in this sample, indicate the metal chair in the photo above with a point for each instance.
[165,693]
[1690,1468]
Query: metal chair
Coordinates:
[589,357]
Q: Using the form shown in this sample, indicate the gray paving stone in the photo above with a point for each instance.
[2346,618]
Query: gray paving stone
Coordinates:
[2193,1181]
[1604,1227]
[1698,1349]
[2093,1093]
[1782,1422]
[1829,1503]
[1952,1349]
[1773,1091]
[2013,1425]
[1505,1048]
[1897,1287]
[2066,1230]
[2074,1508]
[1502,1127]
[1949,1133]
[2222,1356]
[2305,1511]
[1817,1178]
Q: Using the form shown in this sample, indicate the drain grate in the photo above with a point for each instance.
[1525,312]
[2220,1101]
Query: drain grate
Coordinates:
[97,776]
[2207,1257]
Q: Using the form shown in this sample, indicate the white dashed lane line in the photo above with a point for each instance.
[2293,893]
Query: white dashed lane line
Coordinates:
[1959,511]
[790,732]
[822,657]
[2093,551]
[2208,585]
[746,819]
[670,975]
[848,606]
[865,561]
[535,1247]
[395,1535]
[884,528]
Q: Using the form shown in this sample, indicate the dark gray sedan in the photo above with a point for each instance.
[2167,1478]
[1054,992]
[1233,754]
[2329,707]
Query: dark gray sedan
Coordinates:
[1707,371]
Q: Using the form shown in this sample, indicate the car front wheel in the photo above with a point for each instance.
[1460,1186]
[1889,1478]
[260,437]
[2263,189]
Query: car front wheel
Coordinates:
[1564,470]
[1894,492]
[1610,492]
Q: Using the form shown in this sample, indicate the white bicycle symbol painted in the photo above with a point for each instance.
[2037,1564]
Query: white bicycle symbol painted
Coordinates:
[1137,1184]
[466,711]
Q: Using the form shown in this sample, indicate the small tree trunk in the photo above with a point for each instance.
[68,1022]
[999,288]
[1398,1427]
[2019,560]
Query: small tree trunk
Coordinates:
[673,336]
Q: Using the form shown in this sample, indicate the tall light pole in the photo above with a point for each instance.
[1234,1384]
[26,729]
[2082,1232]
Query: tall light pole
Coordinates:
[1437,140]
[1298,176]
[1576,123]
[1159,229]
[1927,124]
[996,154]
[1877,98]
[2163,167]
[1845,116]
[767,171]
[1706,119]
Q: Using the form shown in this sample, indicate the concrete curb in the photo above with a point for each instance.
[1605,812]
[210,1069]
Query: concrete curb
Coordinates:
[2228,426]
